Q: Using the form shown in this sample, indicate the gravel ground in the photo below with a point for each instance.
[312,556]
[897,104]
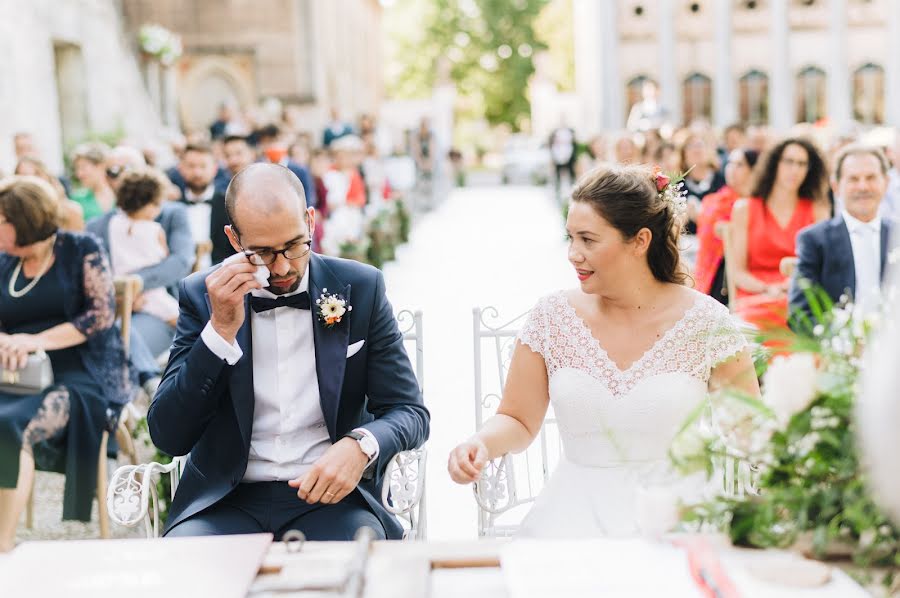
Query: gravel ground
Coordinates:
[48,523]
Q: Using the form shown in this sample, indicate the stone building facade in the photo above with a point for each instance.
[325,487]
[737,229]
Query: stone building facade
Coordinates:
[68,72]
[769,61]
[312,55]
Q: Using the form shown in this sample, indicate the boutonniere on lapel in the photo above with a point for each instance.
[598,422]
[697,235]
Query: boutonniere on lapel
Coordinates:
[331,308]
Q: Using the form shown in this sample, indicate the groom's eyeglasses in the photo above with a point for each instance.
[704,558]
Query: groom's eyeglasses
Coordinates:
[267,255]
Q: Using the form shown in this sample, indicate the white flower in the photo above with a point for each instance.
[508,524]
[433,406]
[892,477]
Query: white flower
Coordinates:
[790,385]
[333,308]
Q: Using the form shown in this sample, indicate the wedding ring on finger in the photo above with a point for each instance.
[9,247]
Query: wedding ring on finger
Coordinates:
[329,495]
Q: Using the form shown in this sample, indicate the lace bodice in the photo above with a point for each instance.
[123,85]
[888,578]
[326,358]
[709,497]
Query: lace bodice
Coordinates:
[607,415]
[703,337]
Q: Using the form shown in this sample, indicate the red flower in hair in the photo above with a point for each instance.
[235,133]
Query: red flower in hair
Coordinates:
[662,181]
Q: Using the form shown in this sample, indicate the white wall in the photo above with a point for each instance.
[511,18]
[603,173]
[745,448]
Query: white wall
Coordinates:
[115,94]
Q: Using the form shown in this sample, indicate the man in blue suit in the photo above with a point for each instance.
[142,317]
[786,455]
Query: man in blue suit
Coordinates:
[847,254]
[288,418]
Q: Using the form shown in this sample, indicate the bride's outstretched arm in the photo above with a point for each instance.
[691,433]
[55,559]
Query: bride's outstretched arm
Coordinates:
[517,422]
[735,375]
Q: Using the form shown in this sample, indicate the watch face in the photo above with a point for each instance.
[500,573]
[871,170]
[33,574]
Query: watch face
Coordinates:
[367,445]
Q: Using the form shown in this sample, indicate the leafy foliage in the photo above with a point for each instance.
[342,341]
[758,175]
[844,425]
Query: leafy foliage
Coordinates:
[487,47]
[810,482]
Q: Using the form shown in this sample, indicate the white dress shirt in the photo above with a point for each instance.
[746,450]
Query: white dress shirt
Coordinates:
[199,209]
[865,240]
[289,432]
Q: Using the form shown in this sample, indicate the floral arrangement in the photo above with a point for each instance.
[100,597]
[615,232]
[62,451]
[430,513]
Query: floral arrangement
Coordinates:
[332,308]
[808,489]
[159,42]
[671,189]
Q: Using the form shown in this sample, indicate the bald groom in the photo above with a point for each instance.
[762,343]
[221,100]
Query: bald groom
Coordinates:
[288,421]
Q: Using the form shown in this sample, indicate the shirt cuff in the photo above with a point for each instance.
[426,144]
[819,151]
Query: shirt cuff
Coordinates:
[230,353]
[368,434]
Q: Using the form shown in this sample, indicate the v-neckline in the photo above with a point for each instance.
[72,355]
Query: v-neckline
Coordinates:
[790,221]
[586,330]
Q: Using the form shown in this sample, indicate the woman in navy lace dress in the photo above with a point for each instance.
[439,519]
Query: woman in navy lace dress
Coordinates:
[56,295]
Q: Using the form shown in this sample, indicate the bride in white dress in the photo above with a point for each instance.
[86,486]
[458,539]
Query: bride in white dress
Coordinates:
[624,360]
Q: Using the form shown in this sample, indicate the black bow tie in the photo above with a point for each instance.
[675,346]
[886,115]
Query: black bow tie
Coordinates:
[299,301]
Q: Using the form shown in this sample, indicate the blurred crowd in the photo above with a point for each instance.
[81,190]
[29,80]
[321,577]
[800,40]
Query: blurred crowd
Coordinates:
[753,197]
[155,217]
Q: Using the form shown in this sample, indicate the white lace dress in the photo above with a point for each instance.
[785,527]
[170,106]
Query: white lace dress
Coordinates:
[617,426]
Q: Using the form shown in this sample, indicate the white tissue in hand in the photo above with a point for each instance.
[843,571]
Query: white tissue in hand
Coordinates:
[262,272]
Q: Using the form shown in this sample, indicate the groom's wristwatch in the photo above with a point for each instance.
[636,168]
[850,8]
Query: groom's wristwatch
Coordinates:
[367,444]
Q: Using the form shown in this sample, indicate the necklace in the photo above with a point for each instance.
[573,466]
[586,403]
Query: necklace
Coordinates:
[12,281]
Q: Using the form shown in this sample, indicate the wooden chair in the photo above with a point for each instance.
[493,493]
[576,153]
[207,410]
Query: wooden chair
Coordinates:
[203,249]
[132,499]
[127,290]
[723,231]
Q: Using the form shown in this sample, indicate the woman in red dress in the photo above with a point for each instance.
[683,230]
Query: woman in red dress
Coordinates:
[709,272]
[788,195]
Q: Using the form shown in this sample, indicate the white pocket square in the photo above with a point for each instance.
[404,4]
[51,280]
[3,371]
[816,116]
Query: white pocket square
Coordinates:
[354,348]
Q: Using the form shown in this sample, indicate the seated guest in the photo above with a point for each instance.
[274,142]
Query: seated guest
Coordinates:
[93,191]
[698,156]
[56,296]
[198,169]
[709,272]
[239,154]
[138,241]
[269,140]
[847,254]
[297,433]
[151,336]
[787,195]
[71,212]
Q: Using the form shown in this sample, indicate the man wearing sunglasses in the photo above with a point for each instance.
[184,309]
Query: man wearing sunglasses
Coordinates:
[289,421]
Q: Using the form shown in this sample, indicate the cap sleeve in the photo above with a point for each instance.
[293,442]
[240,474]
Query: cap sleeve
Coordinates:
[535,331]
[725,339]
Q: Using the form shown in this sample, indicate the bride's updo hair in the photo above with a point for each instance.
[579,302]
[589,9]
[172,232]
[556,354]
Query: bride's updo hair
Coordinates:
[626,197]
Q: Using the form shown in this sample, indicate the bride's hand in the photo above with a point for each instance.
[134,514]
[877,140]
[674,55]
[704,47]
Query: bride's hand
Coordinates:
[466,461]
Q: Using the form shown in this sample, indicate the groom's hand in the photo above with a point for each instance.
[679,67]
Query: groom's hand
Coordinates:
[227,287]
[334,475]
[467,461]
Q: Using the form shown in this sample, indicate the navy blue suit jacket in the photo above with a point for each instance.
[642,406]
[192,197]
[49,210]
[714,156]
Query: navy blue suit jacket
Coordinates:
[825,259]
[205,407]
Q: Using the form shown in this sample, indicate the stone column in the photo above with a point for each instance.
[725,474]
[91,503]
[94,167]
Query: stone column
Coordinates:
[724,97]
[613,110]
[669,81]
[892,68]
[781,81]
[839,88]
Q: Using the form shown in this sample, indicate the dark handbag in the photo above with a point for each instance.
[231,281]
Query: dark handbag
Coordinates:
[34,378]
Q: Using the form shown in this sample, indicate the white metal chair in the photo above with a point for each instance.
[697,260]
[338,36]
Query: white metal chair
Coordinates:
[510,484]
[132,497]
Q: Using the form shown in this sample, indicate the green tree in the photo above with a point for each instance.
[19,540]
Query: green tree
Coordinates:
[489,45]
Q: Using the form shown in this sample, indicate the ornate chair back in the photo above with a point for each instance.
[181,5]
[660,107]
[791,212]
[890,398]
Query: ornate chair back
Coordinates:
[510,484]
[403,490]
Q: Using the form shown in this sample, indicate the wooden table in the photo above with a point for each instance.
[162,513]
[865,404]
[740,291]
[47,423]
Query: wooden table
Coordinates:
[197,566]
